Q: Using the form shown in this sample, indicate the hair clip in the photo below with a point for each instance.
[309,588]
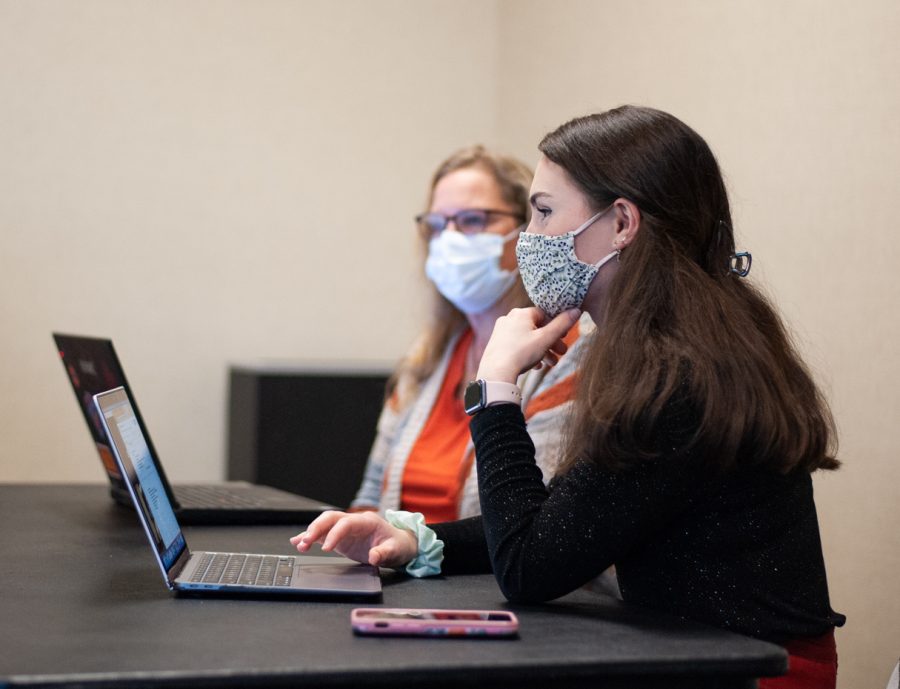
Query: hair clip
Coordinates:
[740,263]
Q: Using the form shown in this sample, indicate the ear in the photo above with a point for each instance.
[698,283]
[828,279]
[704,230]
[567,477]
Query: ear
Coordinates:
[628,222]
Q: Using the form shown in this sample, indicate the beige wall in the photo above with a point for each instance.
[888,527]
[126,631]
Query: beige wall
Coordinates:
[207,182]
[247,171]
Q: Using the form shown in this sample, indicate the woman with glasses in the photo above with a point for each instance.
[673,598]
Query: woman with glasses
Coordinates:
[422,459]
[695,429]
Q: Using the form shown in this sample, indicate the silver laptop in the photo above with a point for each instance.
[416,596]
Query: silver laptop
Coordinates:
[215,572]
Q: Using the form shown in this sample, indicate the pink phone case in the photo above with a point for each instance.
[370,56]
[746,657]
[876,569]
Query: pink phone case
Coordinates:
[433,622]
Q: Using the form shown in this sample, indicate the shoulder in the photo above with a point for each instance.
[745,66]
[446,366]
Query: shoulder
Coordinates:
[410,389]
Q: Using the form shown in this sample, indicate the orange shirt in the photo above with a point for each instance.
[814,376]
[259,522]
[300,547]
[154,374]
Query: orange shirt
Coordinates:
[435,471]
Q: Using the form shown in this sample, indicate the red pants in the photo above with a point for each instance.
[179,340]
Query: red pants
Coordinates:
[812,664]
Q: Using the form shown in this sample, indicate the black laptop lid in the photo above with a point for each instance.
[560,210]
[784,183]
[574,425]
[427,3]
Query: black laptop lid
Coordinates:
[93,367]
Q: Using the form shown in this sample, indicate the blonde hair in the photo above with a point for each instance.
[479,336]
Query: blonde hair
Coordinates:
[514,181]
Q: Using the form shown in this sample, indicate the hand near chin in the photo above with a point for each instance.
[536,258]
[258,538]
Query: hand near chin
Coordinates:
[525,339]
[364,537]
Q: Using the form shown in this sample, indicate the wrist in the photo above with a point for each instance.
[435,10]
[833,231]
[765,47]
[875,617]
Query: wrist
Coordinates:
[496,373]
[412,548]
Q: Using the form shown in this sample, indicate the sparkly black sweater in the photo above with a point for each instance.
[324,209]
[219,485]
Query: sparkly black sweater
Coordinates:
[739,550]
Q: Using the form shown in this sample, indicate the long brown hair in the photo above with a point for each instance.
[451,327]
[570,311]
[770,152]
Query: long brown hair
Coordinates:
[513,178]
[680,326]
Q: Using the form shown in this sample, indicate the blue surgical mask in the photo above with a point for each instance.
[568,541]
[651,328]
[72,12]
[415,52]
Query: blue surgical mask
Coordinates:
[466,268]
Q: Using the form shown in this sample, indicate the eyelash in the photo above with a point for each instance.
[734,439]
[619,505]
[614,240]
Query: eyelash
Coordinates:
[543,211]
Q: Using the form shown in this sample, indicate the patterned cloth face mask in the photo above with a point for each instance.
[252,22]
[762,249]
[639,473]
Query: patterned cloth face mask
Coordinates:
[555,278]
[466,268]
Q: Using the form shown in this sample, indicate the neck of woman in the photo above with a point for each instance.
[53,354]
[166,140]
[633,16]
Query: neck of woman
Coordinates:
[482,325]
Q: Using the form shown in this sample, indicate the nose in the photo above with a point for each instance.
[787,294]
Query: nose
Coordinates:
[451,221]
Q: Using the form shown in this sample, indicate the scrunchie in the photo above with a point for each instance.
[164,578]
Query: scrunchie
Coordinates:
[427,562]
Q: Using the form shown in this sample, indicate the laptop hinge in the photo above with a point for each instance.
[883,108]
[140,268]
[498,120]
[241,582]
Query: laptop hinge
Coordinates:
[178,566]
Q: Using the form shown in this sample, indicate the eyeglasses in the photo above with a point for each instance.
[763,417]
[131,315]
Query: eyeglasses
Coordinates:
[468,221]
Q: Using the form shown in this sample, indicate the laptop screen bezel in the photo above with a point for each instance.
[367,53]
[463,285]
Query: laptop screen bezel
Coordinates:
[104,402]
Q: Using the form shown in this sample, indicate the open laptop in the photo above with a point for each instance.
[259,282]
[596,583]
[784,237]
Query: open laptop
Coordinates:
[92,366]
[214,572]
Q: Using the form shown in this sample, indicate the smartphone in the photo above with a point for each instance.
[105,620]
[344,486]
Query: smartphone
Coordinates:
[431,622]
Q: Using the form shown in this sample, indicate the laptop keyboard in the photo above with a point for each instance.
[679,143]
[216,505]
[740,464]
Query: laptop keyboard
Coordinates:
[212,497]
[244,570]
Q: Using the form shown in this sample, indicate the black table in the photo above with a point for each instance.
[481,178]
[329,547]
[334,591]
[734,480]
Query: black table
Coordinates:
[83,604]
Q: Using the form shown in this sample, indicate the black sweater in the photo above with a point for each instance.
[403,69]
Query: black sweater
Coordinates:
[740,550]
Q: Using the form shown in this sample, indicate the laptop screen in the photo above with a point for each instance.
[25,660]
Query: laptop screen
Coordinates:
[93,367]
[139,469]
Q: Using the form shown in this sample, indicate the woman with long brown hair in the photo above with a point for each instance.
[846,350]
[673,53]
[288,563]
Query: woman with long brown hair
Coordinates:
[696,427]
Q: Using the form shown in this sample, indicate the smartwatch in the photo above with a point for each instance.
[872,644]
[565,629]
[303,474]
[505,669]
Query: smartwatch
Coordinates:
[485,393]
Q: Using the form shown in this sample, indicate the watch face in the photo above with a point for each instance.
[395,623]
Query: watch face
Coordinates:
[473,398]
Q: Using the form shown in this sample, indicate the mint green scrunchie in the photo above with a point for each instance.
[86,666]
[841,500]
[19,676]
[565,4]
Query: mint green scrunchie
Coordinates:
[427,562]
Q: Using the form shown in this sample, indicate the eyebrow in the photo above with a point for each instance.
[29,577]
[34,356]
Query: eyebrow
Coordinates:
[536,196]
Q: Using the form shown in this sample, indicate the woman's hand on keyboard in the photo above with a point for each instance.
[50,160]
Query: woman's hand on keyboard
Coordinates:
[364,537]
